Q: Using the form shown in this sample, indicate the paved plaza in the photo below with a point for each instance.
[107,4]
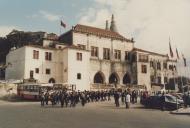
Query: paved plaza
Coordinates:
[93,115]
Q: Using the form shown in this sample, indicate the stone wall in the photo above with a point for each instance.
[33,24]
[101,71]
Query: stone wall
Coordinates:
[6,89]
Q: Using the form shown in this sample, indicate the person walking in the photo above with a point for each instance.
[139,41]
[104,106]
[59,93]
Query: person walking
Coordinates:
[62,99]
[83,99]
[127,100]
[47,97]
[109,95]
[116,97]
[123,97]
[42,98]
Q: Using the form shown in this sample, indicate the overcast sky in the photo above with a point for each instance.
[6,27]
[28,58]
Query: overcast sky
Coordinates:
[149,22]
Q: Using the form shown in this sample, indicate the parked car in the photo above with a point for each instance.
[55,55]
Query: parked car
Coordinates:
[165,102]
[179,97]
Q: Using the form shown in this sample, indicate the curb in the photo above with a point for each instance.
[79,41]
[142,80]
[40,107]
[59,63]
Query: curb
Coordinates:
[180,113]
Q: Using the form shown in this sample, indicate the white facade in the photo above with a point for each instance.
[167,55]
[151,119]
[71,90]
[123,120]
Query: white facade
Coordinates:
[74,62]
[23,63]
[99,64]
[73,68]
[156,73]
[63,66]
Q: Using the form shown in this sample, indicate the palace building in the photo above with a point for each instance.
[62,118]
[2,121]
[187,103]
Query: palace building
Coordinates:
[91,58]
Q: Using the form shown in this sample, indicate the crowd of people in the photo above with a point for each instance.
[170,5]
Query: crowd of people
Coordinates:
[66,98]
[71,98]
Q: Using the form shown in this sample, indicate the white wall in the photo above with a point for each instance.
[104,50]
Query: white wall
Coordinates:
[102,42]
[23,62]
[163,72]
[55,65]
[98,64]
[75,66]
[143,78]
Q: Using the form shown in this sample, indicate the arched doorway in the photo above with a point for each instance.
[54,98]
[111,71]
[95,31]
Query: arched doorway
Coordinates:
[126,79]
[99,78]
[51,80]
[113,79]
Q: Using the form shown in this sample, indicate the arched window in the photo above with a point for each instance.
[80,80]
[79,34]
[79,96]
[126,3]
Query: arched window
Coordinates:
[51,80]
[99,78]
[126,79]
[113,79]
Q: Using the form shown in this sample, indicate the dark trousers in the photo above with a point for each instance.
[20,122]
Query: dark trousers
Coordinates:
[42,102]
[117,102]
[127,105]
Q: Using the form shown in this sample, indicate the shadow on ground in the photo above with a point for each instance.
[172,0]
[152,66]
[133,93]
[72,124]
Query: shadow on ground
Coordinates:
[13,98]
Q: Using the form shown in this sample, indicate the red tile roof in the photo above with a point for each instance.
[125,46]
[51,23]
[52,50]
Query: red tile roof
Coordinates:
[154,53]
[99,32]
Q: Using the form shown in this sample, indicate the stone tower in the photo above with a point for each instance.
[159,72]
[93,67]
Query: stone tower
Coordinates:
[113,25]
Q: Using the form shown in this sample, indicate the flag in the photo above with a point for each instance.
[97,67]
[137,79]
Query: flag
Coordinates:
[177,54]
[171,52]
[184,59]
[63,24]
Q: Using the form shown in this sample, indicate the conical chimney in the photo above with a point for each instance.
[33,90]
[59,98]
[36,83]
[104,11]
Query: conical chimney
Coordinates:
[107,25]
[113,25]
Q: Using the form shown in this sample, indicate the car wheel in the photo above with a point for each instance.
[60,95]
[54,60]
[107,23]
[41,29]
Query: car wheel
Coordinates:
[163,107]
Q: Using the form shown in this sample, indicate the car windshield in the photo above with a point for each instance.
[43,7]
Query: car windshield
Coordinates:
[170,98]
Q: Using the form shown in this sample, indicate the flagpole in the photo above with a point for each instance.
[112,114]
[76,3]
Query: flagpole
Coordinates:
[174,77]
[185,68]
[179,70]
[187,72]
[172,55]
[188,80]
[59,30]
[60,26]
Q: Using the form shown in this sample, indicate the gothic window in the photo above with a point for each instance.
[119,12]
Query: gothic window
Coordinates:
[35,54]
[158,66]
[126,79]
[79,56]
[165,65]
[152,64]
[106,53]
[159,79]
[31,74]
[152,79]
[165,80]
[94,51]
[143,68]
[117,54]
[171,67]
[48,56]
[127,56]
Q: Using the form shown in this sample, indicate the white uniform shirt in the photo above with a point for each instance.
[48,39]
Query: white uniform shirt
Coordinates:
[128,98]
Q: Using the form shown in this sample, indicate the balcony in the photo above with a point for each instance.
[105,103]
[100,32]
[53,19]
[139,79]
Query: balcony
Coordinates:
[99,87]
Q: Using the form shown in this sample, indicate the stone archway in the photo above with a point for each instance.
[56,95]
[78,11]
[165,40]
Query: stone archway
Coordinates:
[126,79]
[114,78]
[99,78]
[51,80]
